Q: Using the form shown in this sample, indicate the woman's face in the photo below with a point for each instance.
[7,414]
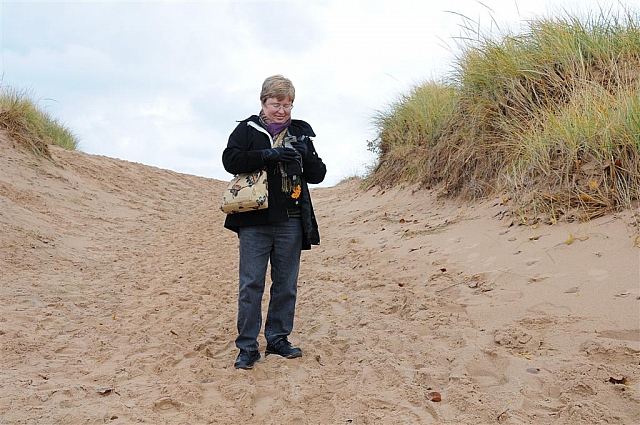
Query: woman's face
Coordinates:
[277,111]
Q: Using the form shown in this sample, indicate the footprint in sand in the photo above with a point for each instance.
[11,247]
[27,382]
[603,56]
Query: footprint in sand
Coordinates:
[263,404]
[488,370]
[167,404]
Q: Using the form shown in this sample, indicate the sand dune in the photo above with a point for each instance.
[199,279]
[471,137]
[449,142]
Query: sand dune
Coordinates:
[118,303]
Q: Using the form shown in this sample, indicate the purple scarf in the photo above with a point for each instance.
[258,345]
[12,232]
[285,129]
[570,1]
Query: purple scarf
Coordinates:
[273,128]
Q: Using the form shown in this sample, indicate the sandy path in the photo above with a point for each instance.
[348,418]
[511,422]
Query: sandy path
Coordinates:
[117,302]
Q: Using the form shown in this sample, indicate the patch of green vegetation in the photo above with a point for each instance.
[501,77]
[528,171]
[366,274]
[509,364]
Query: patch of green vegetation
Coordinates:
[549,117]
[30,126]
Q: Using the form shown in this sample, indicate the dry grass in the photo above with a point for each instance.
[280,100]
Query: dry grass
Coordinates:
[30,126]
[550,117]
[408,130]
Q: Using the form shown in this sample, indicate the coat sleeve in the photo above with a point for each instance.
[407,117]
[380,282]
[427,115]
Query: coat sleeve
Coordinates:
[239,155]
[314,168]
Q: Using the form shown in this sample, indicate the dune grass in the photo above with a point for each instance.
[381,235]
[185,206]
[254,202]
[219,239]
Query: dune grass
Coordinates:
[409,129]
[549,117]
[30,126]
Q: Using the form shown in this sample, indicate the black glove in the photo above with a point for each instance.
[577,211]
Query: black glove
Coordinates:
[279,155]
[300,144]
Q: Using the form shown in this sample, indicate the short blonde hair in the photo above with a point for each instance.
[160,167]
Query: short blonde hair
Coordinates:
[277,87]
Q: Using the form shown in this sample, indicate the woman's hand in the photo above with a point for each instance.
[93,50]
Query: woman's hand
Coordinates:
[300,144]
[279,155]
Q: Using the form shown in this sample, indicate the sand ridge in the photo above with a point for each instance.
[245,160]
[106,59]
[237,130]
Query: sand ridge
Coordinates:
[118,302]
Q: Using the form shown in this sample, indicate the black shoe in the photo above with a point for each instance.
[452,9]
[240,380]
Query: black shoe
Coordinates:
[246,359]
[283,348]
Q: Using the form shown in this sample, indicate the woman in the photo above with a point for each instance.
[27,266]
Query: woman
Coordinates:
[274,141]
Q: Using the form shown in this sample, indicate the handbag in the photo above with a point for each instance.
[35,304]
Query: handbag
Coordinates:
[246,192]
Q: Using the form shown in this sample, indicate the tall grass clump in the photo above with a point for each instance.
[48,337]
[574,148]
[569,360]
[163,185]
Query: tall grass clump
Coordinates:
[549,116]
[30,126]
[408,129]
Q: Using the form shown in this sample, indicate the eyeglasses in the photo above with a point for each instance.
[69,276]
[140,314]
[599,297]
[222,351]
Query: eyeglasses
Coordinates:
[277,106]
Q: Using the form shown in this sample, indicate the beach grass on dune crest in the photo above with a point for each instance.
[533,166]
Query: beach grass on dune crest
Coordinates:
[29,125]
[409,129]
[549,117]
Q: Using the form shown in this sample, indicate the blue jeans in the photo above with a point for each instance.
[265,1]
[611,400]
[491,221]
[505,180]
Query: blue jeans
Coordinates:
[281,244]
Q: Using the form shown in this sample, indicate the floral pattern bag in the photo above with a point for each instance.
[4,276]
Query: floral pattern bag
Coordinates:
[246,192]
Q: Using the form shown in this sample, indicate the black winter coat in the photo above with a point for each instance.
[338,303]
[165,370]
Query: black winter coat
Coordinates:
[242,155]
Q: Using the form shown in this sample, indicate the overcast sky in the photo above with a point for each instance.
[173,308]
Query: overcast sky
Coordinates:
[163,83]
